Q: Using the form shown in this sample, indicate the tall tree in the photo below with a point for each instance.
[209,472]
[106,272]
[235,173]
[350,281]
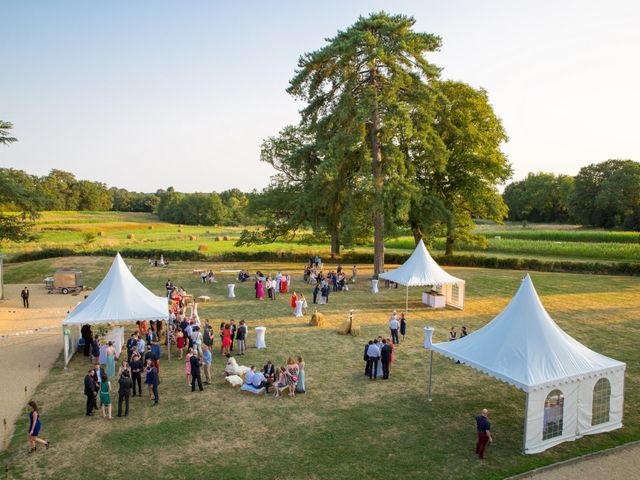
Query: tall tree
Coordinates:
[5,135]
[540,197]
[472,134]
[362,80]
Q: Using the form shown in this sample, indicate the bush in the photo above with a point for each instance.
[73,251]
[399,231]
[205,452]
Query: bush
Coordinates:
[89,237]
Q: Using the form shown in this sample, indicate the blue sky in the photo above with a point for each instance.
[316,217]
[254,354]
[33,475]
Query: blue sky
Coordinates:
[148,94]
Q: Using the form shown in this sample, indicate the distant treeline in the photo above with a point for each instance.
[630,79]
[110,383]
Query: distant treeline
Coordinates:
[603,194]
[60,190]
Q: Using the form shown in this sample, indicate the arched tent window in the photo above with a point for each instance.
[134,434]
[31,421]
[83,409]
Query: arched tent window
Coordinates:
[600,405]
[553,413]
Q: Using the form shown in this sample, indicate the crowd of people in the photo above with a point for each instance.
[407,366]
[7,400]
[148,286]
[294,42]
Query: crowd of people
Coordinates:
[379,353]
[288,377]
[269,286]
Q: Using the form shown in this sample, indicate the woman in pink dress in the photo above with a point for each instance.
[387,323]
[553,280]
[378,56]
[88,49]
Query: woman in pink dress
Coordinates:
[283,284]
[187,366]
[260,290]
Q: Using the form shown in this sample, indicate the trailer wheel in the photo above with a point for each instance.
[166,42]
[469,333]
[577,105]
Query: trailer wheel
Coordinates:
[65,291]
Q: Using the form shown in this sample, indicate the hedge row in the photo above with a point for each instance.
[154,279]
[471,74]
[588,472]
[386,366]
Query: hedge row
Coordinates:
[616,268]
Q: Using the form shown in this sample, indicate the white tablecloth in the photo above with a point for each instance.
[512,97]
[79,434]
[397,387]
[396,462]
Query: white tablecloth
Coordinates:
[231,290]
[434,301]
[428,335]
[299,305]
[374,286]
[260,334]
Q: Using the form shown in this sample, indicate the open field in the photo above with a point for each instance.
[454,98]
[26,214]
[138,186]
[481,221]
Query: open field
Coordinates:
[345,426]
[110,230]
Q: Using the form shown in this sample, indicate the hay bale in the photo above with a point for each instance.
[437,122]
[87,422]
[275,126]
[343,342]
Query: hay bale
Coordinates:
[130,236]
[180,226]
[179,230]
[193,237]
[343,329]
[208,232]
[317,320]
[150,227]
[203,248]
[355,330]
[225,238]
[218,239]
[203,299]
[100,234]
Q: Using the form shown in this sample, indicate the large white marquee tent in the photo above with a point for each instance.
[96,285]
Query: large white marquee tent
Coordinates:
[120,298]
[571,390]
[421,270]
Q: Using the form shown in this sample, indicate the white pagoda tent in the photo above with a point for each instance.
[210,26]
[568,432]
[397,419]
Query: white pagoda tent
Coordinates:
[120,298]
[571,390]
[421,270]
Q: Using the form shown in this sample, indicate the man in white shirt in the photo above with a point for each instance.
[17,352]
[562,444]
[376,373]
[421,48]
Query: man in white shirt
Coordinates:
[260,381]
[373,355]
[248,379]
[393,327]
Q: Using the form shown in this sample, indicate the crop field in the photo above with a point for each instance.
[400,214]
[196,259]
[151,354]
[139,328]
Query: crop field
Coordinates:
[83,232]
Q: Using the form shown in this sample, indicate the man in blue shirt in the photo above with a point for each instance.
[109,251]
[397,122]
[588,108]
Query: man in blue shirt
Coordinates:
[484,433]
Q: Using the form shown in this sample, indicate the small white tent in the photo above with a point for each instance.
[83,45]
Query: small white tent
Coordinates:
[120,298]
[421,270]
[571,390]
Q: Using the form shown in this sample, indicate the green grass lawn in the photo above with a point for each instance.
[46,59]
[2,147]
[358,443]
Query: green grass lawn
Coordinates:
[111,229]
[345,426]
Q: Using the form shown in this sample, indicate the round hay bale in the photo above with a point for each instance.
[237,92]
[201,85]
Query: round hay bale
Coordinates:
[193,237]
[203,248]
[179,230]
[355,330]
[150,227]
[100,234]
[130,236]
[343,329]
[225,238]
[180,226]
[218,239]
[208,232]
[317,320]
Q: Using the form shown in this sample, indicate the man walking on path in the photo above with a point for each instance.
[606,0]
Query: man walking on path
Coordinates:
[484,433]
[25,297]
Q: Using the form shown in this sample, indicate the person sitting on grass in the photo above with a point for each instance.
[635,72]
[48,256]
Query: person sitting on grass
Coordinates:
[259,381]
[282,381]
[248,378]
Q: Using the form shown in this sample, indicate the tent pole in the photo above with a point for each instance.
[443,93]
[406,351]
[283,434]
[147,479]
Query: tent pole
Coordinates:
[168,342]
[430,371]
[406,304]
[526,418]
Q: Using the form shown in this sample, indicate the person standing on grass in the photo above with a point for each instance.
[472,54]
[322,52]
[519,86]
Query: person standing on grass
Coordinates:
[373,355]
[187,366]
[206,364]
[226,339]
[124,392]
[136,370]
[153,380]
[90,391]
[25,297]
[241,336]
[233,329]
[393,327]
[385,358]
[34,428]
[195,373]
[484,433]
[105,395]
[403,325]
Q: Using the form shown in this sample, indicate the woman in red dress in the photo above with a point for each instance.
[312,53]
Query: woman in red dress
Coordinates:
[294,298]
[226,339]
[283,284]
[180,342]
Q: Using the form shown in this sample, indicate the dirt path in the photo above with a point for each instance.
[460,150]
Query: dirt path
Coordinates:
[30,342]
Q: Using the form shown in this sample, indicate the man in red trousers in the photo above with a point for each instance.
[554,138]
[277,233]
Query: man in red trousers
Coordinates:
[484,433]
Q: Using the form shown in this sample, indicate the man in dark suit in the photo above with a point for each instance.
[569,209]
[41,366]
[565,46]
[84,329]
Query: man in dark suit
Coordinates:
[385,358]
[130,344]
[90,392]
[87,336]
[367,367]
[232,326]
[124,392]
[316,290]
[269,372]
[95,348]
[195,372]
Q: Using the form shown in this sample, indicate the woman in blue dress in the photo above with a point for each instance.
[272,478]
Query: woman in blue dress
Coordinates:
[111,360]
[403,326]
[34,427]
[300,385]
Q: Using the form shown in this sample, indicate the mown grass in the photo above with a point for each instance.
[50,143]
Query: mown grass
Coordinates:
[345,426]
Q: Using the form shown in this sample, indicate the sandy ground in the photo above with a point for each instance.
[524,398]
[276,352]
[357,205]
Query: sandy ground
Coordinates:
[619,463]
[28,338]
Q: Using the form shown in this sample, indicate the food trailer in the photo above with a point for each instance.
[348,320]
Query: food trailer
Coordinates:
[65,281]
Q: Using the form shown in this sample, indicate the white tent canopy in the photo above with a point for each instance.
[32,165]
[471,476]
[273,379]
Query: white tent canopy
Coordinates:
[421,270]
[523,346]
[120,298]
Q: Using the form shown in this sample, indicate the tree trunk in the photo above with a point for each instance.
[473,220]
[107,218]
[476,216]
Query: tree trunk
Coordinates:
[417,235]
[378,185]
[335,242]
[451,232]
